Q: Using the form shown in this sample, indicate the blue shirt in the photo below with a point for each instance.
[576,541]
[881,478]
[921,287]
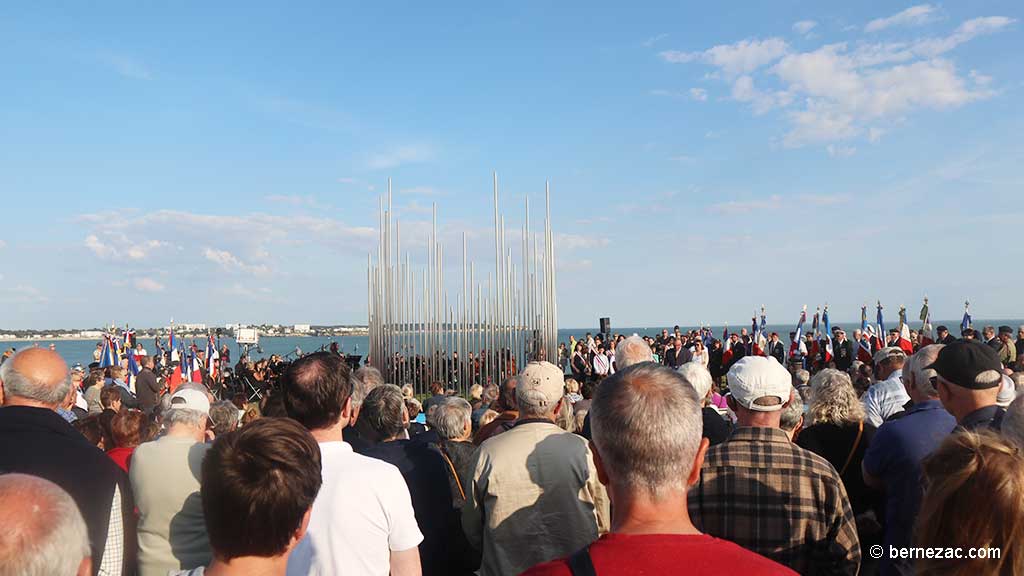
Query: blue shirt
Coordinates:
[895,456]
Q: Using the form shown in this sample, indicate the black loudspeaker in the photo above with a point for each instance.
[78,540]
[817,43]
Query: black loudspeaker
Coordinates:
[606,325]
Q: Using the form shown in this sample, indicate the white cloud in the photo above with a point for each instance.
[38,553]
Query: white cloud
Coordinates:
[292,199]
[843,91]
[840,151]
[21,294]
[419,191]
[804,26]
[654,40]
[401,155]
[93,243]
[148,285]
[743,90]
[913,16]
[776,201]
[699,94]
[744,206]
[742,57]
[126,66]
[3,244]
[231,263]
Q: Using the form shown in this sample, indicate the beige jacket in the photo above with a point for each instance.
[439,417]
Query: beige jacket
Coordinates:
[534,497]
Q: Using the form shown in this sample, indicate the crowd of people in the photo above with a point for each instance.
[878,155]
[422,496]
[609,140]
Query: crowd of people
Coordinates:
[655,455]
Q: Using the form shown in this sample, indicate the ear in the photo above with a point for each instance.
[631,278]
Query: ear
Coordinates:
[602,474]
[944,392]
[558,405]
[1,392]
[698,462]
[85,567]
[731,403]
[346,409]
[301,532]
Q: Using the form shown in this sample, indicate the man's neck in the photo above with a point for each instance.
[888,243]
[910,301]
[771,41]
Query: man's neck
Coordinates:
[636,515]
[546,417]
[185,431]
[329,434]
[752,419]
[16,401]
[249,566]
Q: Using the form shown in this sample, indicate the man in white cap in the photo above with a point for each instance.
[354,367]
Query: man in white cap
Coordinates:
[887,396]
[165,480]
[535,495]
[767,494]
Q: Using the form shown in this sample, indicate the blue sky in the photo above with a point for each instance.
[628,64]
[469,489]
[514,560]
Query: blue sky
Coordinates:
[222,162]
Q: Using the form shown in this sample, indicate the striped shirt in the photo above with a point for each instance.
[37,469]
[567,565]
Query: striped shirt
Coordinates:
[770,496]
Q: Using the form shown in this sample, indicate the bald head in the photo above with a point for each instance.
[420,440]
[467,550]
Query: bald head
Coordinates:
[34,377]
[44,532]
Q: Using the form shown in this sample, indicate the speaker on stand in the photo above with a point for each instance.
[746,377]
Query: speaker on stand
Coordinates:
[606,327]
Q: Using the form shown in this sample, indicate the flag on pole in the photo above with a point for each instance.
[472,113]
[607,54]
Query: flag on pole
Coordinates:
[904,342]
[828,335]
[926,324]
[797,347]
[133,369]
[814,323]
[174,344]
[107,356]
[881,326]
[726,342]
[211,356]
[966,322]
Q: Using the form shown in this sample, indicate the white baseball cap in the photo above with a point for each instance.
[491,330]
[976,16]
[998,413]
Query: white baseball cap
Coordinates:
[192,400]
[544,377]
[755,377]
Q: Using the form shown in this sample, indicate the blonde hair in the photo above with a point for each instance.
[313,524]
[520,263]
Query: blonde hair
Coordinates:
[487,417]
[476,391]
[572,386]
[564,417]
[833,399]
[973,498]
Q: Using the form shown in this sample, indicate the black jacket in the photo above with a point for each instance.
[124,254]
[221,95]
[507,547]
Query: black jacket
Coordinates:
[39,442]
[843,352]
[777,350]
[147,390]
[684,356]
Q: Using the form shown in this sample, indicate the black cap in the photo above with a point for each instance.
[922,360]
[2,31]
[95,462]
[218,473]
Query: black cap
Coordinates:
[94,365]
[1004,329]
[970,364]
[942,328]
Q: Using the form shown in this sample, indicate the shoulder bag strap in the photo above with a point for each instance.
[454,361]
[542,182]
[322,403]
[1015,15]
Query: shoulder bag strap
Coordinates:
[853,450]
[580,563]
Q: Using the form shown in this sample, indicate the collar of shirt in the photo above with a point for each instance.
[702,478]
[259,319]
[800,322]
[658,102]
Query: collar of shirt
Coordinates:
[926,405]
[981,417]
[758,434]
[533,421]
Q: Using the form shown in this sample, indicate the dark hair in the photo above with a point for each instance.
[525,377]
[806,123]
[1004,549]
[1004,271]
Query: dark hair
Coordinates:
[316,388]
[257,484]
[126,428]
[108,395]
[92,429]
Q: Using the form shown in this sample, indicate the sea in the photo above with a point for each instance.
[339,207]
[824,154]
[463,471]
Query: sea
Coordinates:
[80,351]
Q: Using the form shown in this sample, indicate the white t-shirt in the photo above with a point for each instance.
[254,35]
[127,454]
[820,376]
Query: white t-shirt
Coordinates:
[362,513]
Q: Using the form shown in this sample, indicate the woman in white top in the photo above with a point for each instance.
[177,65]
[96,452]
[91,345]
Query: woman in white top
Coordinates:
[700,354]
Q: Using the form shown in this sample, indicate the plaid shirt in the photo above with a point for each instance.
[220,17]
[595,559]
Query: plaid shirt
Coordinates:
[770,496]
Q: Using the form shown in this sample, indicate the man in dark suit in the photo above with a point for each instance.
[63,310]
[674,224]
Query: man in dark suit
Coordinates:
[147,389]
[944,337]
[842,350]
[776,349]
[677,355]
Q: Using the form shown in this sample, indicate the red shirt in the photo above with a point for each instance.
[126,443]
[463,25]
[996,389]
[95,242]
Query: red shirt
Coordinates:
[122,456]
[661,554]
